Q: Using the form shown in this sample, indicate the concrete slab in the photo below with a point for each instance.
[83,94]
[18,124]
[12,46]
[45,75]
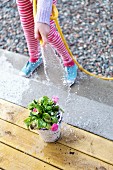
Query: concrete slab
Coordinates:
[88,104]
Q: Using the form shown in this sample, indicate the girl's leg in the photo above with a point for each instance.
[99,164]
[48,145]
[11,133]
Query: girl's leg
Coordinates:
[26,16]
[25,9]
[55,40]
[70,68]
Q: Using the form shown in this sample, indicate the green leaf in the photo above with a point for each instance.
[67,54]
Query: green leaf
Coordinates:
[35,102]
[44,99]
[54,119]
[55,108]
[37,116]
[47,117]
[61,110]
[39,108]
[33,113]
[33,118]
[31,106]
[28,121]
[48,108]
[41,124]
[33,125]
[50,102]
[48,126]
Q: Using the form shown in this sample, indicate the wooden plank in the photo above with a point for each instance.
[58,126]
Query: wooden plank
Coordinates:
[12,159]
[73,137]
[88,143]
[56,154]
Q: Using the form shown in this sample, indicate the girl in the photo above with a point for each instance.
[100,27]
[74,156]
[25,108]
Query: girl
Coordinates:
[43,29]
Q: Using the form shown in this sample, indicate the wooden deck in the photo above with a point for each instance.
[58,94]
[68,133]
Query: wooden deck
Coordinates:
[21,149]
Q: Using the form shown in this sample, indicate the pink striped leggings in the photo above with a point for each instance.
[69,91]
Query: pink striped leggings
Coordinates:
[26,16]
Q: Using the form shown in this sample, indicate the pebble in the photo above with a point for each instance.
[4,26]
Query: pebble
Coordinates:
[87,27]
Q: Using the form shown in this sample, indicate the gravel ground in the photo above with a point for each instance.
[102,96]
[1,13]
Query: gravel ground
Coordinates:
[86,24]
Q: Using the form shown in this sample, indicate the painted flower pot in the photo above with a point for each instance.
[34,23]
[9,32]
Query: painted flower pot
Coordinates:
[50,135]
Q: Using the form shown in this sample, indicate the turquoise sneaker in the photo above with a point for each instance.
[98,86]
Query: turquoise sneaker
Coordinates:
[30,67]
[71,74]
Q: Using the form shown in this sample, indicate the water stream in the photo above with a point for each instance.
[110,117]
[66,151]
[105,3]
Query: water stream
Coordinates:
[44,62]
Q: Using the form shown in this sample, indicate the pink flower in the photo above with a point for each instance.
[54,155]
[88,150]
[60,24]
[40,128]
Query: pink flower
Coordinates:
[34,110]
[55,99]
[54,127]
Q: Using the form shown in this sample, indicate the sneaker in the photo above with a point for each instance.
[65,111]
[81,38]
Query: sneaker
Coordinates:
[30,67]
[71,74]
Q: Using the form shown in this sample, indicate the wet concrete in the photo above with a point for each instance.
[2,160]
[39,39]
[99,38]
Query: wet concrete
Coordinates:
[88,104]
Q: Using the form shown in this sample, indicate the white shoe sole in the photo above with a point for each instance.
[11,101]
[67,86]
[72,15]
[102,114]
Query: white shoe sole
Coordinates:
[69,82]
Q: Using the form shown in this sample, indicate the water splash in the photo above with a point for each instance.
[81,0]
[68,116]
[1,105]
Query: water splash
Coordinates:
[66,133]
[45,64]
[9,88]
[68,99]
[37,148]
[5,65]
[52,65]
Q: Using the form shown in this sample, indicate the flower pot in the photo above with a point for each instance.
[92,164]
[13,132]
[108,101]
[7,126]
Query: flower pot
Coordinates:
[49,135]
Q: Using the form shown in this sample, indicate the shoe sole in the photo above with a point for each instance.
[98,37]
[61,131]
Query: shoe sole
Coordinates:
[66,82]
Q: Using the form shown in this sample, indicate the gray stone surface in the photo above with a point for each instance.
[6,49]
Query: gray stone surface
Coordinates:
[88,104]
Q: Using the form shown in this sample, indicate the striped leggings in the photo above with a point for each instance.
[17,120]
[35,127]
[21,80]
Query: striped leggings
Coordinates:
[25,9]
